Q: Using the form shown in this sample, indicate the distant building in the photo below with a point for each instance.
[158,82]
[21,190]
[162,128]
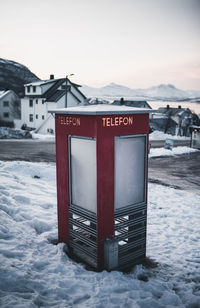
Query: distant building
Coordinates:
[42,96]
[95,101]
[132,103]
[9,108]
[158,121]
[175,121]
[195,137]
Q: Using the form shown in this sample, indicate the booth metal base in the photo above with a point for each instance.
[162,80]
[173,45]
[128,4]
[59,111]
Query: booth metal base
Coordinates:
[130,233]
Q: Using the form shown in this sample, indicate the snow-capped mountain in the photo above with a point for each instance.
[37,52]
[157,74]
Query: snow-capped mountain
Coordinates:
[160,92]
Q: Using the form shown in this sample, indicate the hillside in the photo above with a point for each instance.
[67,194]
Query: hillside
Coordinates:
[166,92]
[14,75]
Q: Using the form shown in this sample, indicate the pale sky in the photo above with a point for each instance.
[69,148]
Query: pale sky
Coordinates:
[136,43]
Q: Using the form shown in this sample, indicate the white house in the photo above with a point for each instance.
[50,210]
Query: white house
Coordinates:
[42,96]
[9,107]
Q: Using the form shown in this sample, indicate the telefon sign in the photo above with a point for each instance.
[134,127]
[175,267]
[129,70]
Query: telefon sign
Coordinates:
[69,121]
[117,121]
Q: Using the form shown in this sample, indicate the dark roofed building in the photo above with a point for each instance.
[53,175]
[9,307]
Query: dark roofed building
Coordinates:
[174,120]
[42,96]
[9,108]
[132,103]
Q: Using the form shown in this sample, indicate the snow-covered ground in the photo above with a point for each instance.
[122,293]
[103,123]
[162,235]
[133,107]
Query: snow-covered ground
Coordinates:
[36,273]
[157,152]
[13,133]
[158,135]
[47,137]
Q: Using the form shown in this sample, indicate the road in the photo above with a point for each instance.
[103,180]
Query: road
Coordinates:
[180,172]
[28,150]
[39,150]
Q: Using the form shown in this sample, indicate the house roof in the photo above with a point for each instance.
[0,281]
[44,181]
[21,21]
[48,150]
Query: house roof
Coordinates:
[43,82]
[174,111]
[4,93]
[53,93]
[132,103]
[56,95]
[48,94]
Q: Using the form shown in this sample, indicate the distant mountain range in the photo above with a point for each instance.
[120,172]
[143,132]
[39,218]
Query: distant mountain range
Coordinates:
[14,75]
[166,92]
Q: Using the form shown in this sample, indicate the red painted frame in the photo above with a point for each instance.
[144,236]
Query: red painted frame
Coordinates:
[92,126]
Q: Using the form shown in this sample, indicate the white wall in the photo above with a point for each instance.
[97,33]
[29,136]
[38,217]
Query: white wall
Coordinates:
[50,122]
[38,110]
[45,87]
[18,123]
[74,91]
[61,103]
[43,126]
[71,100]
[38,90]
[48,126]
[9,97]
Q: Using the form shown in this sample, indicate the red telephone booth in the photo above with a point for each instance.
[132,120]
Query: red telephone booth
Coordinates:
[101,157]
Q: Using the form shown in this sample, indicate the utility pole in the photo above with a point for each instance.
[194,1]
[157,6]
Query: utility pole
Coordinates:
[66,88]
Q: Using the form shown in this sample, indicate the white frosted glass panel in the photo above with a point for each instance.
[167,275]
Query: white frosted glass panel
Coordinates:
[129,171]
[83,173]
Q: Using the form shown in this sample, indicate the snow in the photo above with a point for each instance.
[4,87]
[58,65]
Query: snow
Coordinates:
[41,82]
[3,93]
[158,135]
[162,91]
[13,133]
[47,137]
[36,273]
[100,109]
[157,152]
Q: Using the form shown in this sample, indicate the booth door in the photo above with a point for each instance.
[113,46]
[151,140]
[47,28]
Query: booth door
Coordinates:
[83,192]
[130,170]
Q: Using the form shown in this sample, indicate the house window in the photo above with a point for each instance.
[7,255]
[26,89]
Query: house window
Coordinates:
[36,116]
[43,101]
[34,88]
[6,114]
[36,101]
[5,103]
[30,103]
[30,117]
[50,130]
[42,117]
[28,89]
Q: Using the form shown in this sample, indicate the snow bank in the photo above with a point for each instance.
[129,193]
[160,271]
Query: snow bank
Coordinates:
[43,137]
[157,135]
[13,133]
[35,273]
[157,152]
